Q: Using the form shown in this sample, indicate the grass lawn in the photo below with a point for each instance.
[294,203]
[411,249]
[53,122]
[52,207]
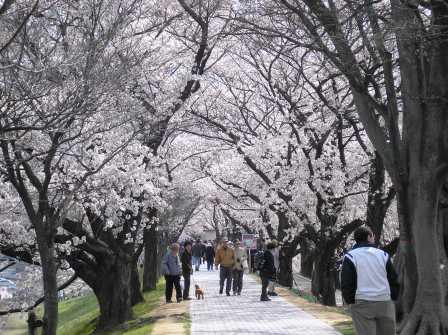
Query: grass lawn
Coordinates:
[78,316]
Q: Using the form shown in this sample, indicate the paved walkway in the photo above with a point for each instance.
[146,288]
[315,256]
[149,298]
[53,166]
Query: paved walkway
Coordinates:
[246,314]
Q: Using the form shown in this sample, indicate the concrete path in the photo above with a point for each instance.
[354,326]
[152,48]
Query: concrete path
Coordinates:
[246,314]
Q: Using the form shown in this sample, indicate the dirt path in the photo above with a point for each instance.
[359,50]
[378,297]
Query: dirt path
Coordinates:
[172,319]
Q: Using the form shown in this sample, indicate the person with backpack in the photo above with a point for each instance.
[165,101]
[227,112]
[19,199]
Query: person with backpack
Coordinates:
[368,285]
[225,257]
[187,269]
[265,265]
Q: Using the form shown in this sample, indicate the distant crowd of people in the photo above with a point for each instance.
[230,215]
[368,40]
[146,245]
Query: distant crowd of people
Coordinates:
[230,258]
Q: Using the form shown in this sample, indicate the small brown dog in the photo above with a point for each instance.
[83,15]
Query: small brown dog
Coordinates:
[199,293]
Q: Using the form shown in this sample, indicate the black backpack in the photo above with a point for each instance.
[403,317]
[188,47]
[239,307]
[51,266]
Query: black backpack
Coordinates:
[259,260]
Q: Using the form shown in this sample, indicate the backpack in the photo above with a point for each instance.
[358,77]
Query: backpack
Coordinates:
[259,260]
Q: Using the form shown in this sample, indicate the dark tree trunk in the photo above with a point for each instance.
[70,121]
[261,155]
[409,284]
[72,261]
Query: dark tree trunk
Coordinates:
[379,199]
[150,268]
[287,251]
[306,264]
[49,270]
[306,257]
[323,285]
[136,286]
[428,313]
[285,276]
[113,291]
[405,261]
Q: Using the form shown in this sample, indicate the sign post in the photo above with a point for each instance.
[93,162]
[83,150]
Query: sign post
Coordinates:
[250,243]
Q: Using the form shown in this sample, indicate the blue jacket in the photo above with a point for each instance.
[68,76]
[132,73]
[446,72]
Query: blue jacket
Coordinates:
[171,265]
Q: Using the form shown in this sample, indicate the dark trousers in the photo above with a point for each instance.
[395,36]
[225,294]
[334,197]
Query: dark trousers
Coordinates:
[186,285]
[170,282]
[237,281]
[210,264]
[225,274]
[264,286]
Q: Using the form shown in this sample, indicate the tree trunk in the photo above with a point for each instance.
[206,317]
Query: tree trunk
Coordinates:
[379,199]
[404,261]
[150,272]
[285,276]
[136,286]
[49,270]
[287,250]
[428,314]
[323,279]
[306,262]
[113,292]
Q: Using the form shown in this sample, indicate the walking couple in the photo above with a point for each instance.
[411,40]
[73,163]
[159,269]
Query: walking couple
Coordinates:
[233,263]
[173,267]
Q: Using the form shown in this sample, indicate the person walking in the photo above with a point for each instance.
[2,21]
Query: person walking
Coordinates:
[171,270]
[276,254]
[225,257]
[368,285]
[203,248]
[239,267]
[196,252]
[267,270]
[187,269]
[209,256]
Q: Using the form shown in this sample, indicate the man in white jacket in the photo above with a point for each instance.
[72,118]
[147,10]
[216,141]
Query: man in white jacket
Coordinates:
[368,285]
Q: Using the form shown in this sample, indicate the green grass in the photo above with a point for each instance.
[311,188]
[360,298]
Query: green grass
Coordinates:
[78,316]
[305,295]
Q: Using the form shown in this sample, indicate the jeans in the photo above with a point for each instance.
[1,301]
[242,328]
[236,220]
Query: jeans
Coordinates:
[209,264]
[264,286]
[196,262]
[237,281]
[225,274]
[186,285]
[170,282]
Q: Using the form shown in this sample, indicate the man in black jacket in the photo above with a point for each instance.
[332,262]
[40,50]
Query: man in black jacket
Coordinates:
[267,272]
[187,268]
[210,256]
[369,284]
[197,252]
